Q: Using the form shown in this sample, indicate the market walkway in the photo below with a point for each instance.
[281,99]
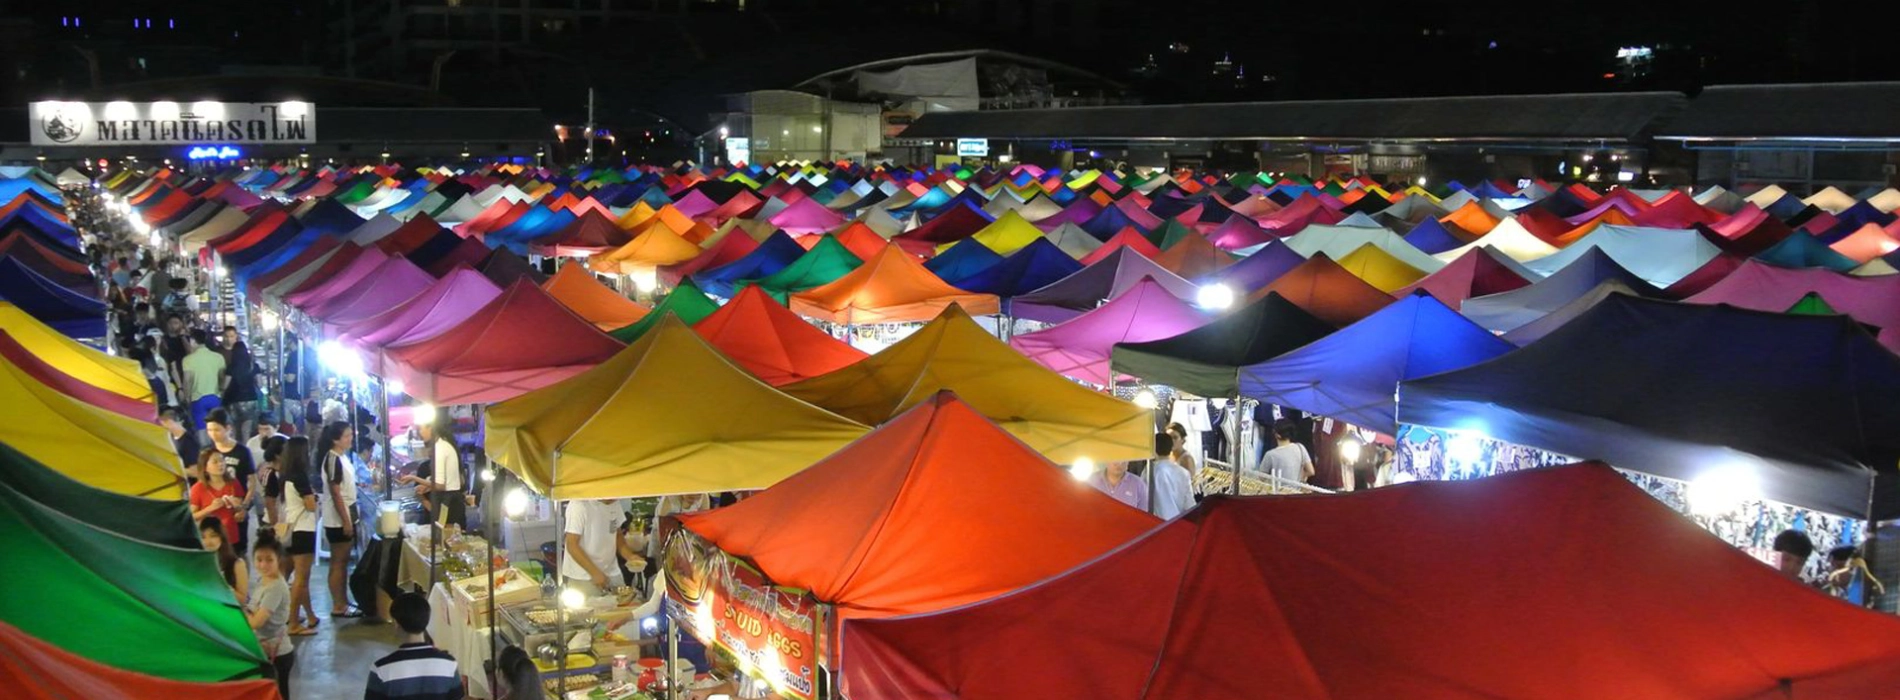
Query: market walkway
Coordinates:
[334,663]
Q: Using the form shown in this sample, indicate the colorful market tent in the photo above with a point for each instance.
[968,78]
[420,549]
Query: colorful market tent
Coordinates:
[521,341]
[1811,304]
[1480,271]
[601,434]
[892,288]
[1874,301]
[1379,269]
[1353,375]
[1658,255]
[39,370]
[771,255]
[117,375]
[1059,418]
[1509,238]
[1207,360]
[878,546]
[581,292]
[93,445]
[771,342]
[827,261]
[1652,607]
[85,581]
[1536,330]
[440,307]
[1505,311]
[69,312]
[1328,290]
[1828,440]
[1106,279]
[162,521]
[1079,348]
[41,671]
[685,302]
[397,281]
[1030,268]
[1007,234]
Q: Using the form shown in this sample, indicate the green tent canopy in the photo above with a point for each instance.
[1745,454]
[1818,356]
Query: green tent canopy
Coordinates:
[1812,305]
[162,611]
[1169,233]
[1207,360]
[827,261]
[150,520]
[685,301]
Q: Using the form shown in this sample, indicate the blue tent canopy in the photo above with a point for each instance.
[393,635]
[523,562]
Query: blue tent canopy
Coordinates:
[966,257]
[1800,250]
[1108,222]
[772,255]
[1353,375]
[1807,406]
[65,310]
[1030,268]
[1431,237]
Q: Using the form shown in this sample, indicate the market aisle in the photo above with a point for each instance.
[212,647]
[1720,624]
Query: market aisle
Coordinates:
[334,663]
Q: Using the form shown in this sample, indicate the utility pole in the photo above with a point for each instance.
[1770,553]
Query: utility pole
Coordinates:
[590,126]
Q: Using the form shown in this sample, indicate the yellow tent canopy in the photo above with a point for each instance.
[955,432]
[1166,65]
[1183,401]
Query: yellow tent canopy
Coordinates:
[667,415]
[117,375]
[657,246]
[1379,269]
[1058,417]
[90,444]
[640,212]
[1007,234]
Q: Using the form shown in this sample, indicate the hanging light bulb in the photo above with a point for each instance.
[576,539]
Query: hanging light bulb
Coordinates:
[515,503]
[1146,399]
[1082,469]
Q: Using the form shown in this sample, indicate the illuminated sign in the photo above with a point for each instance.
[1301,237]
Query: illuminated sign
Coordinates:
[56,123]
[973,148]
[219,152]
[739,150]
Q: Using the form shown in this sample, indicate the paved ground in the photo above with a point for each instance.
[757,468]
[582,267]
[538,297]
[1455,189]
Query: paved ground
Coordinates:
[334,663]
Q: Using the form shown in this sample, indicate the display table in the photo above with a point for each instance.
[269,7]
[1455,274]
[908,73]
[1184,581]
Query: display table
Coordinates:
[412,571]
[451,626]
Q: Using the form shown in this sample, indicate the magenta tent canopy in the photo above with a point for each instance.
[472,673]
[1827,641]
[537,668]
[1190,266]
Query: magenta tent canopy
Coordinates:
[806,216]
[395,282]
[1079,348]
[355,273]
[1874,301]
[440,307]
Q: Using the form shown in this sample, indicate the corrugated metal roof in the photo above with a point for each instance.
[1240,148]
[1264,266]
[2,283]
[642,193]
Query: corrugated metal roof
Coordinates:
[1623,116]
[1812,111]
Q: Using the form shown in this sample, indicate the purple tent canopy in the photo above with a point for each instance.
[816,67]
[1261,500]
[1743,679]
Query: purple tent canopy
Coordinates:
[1874,301]
[442,306]
[1258,270]
[1080,347]
[1087,289]
[358,270]
[396,282]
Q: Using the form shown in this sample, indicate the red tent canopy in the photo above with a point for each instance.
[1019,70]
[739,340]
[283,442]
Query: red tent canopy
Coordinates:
[35,670]
[771,342]
[937,508]
[1566,582]
[521,341]
[1479,271]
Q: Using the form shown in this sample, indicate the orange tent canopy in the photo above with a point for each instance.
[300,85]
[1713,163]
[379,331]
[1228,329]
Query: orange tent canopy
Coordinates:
[1193,257]
[585,295]
[36,670]
[1327,290]
[1471,217]
[936,509]
[891,288]
[771,342]
[1866,243]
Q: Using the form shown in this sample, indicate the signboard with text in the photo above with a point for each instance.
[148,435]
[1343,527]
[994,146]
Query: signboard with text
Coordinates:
[738,150]
[973,148]
[772,631]
[55,123]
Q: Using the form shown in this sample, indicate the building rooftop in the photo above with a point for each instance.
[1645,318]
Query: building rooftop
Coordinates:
[1795,112]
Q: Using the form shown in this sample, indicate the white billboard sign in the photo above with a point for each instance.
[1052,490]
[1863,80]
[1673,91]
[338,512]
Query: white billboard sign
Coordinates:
[973,148]
[56,123]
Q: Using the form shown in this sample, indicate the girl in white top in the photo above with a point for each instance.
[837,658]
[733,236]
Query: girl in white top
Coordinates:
[299,524]
[337,479]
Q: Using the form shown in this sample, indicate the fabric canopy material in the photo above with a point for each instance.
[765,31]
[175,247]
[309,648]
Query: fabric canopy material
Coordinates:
[1652,607]
[84,580]
[67,311]
[1328,291]
[892,288]
[1106,279]
[1059,418]
[878,548]
[1504,312]
[1874,301]
[771,342]
[93,445]
[1829,440]
[161,521]
[119,376]
[580,292]
[40,671]
[1354,375]
[685,302]
[1080,347]
[1659,256]
[573,439]
[1207,360]
[1480,271]
[521,341]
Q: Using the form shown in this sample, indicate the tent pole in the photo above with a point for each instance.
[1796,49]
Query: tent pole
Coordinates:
[1233,440]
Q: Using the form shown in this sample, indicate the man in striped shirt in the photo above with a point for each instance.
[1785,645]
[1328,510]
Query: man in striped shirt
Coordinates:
[416,670]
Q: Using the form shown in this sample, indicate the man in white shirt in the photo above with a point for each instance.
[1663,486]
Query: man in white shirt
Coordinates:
[1174,487]
[590,539]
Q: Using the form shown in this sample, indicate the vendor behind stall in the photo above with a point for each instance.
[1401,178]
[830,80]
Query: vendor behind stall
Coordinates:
[591,539]
[440,480]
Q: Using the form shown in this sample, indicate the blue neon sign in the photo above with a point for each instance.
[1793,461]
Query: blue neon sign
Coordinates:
[219,152]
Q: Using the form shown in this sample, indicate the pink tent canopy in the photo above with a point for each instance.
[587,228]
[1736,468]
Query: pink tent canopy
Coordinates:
[394,283]
[1079,347]
[440,307]
[521,341]
[806,216]
[358,270]
[1874,301]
